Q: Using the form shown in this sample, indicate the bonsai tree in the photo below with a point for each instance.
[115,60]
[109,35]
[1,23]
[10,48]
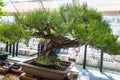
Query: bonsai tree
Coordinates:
[2,13]
[85,25]
[12,33]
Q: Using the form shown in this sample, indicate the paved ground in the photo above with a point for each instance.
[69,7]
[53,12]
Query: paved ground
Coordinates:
[88,74]
[94,74]
[9,77]
[91,73]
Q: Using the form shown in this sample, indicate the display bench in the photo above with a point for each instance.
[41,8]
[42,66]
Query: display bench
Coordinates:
[22,51]
[27,52]
[2,48]
[19,74]
[14,72]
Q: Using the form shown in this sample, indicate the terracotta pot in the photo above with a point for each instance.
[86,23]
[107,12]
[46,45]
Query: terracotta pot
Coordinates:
[3,69]
[48,73]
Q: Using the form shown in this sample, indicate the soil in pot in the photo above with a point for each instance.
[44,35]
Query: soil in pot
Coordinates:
[50,62]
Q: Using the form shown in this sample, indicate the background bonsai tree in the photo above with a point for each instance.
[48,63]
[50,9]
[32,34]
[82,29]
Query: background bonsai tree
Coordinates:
[84,25]
[12,33]
[2,13]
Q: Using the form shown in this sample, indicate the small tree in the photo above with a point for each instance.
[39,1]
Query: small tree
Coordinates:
[2,13]
[86,26]
[12,33]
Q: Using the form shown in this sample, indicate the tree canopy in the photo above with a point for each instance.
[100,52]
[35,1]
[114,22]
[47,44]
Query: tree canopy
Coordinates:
[12,33]
[2,12]
[85,25]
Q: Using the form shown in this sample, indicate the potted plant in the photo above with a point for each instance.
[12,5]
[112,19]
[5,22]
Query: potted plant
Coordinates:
[12,33]
[83,24]
[3,55]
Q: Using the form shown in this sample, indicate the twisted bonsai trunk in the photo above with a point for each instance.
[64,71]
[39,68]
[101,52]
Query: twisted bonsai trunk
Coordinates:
[57,42]
[47,57]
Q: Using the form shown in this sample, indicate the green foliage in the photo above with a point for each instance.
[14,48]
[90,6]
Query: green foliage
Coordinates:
[44,21]
[83,23]
[50,61]
[11,32]
[88,27]
[2,12]
[1,52]
[46,60]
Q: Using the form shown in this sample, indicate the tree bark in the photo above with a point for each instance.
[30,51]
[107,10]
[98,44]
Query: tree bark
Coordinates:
[17,49]
[58,42]
[10,49]
[85,57]
[101,61]
[13,52]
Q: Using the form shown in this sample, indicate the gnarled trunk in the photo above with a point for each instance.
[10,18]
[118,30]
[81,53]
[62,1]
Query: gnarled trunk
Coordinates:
[58,42]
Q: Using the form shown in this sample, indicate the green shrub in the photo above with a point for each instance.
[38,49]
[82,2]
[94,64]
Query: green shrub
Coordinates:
[1,52]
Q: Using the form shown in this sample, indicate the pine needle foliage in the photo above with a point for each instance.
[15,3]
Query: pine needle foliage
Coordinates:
[86,25]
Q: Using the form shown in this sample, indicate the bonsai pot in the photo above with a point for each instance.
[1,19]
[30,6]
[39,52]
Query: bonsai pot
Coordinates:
[44,72]
[4,66]
[3,69]
[3,56]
